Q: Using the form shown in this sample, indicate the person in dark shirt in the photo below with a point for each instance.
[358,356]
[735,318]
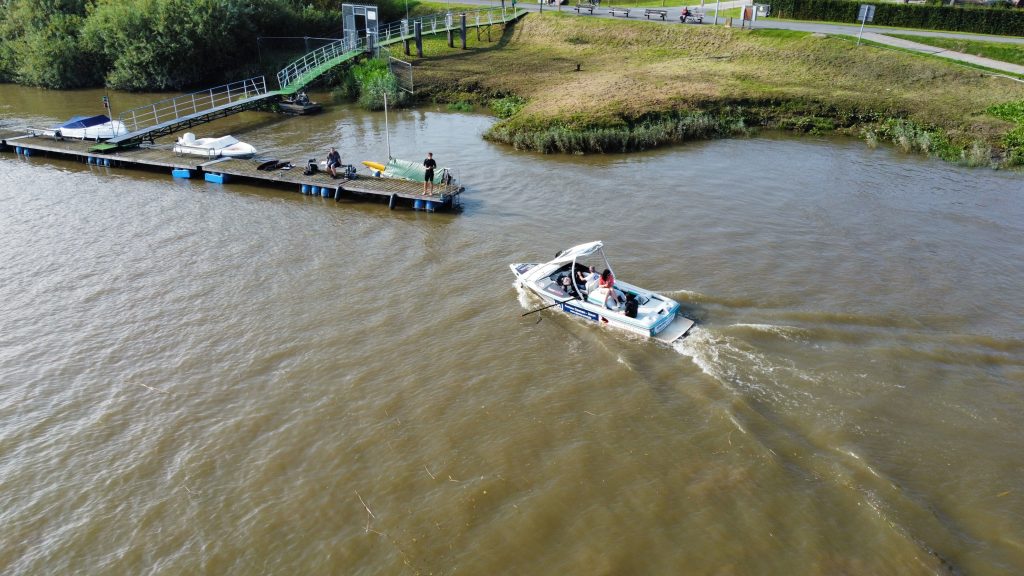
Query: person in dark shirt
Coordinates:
[333,162]
[428,177]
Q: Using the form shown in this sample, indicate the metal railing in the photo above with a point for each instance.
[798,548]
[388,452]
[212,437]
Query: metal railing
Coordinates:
[441,22]
[172,109]
[316,58]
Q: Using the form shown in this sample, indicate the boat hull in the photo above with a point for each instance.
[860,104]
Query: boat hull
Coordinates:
[300,109]
[664,324]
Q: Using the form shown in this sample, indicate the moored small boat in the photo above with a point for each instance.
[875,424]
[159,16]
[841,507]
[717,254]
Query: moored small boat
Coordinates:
[299,105]
[225,146]
[561,283]
[99,127]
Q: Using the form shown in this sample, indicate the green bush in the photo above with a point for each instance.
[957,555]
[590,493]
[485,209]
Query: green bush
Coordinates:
[375,79]
[934,17]
[508,106]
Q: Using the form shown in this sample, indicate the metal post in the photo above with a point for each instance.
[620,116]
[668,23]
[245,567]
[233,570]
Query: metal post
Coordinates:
[463,32]
[387,133]
[861,33]
[717,2]
[419,39]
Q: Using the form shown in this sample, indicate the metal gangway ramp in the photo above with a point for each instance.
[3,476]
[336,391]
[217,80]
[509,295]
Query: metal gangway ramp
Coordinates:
[182,112]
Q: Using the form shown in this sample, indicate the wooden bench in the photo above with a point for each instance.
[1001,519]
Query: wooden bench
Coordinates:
[623,11]
[581,6]
[692,16]
[655,12]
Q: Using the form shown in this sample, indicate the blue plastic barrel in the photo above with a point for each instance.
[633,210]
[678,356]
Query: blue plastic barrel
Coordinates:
[325,192]
[305,188]
[26,151]
[17,149]
[431,205]
[215,178]
[181,173]
[106,161]
[417,205]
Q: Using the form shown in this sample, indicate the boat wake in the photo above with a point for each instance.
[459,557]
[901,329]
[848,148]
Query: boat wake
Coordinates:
[767,390]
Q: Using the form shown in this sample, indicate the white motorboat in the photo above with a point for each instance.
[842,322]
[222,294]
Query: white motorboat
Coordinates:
[225,146]
[558,282]
[99,127]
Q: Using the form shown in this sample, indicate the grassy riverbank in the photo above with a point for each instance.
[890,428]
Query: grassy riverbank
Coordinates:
[642,85]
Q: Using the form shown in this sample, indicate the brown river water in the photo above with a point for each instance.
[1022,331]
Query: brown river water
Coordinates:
[223,379]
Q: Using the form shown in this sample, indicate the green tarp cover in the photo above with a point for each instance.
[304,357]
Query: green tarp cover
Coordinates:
[410,170]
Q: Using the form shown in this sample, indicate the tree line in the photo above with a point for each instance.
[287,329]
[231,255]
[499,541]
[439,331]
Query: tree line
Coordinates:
[151,44]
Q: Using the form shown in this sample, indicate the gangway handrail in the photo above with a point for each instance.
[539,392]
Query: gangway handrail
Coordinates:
[441,21]
[164,111]
[316,58]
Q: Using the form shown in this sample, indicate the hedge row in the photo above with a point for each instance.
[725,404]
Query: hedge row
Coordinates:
[1003,21]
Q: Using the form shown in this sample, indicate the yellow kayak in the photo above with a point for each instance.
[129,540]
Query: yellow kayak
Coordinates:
[375,166]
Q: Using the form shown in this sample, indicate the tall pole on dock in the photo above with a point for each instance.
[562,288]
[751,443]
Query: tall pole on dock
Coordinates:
[387,133]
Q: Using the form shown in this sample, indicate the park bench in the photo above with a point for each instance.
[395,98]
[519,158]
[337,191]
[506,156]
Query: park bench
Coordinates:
[692,16]
[623,11]
[581,6]
[655,12]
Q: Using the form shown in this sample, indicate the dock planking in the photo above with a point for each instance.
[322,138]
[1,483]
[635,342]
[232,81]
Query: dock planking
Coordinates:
[162,157]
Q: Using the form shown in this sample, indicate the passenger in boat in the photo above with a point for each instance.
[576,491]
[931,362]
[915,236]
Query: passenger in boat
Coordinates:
[607,285]
[333,162]
[632,305]
[587,280]
[428,176]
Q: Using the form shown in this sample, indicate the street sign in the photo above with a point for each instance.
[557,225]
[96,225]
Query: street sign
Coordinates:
[867,13]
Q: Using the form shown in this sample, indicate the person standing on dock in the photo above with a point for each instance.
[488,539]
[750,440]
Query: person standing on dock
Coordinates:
[428,176]
[333,162]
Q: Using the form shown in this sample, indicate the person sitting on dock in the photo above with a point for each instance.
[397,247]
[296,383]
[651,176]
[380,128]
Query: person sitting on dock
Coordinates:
[428,176]
[607,285]
[333,162]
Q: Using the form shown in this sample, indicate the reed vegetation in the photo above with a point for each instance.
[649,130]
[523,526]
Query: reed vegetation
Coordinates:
[641,85]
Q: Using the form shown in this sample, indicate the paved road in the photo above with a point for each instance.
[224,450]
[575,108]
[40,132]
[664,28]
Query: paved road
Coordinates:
[873,33]
[935,51]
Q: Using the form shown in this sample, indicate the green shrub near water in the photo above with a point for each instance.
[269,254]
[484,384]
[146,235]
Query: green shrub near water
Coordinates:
[962,19]
[508,106]
[371,79]
[1014,139]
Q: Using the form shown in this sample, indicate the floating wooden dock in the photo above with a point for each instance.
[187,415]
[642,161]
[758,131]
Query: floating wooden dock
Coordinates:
[397,193]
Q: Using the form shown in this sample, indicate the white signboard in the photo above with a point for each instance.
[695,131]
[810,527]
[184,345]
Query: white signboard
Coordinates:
[867,13]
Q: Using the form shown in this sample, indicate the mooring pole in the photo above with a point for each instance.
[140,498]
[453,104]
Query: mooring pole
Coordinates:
[419,39]
[387,133]
[463,29]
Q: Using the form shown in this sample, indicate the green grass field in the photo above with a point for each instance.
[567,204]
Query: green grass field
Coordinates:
[642,85]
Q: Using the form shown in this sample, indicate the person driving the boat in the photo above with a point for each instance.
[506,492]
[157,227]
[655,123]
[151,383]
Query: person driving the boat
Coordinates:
[607,285]
[333,162]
